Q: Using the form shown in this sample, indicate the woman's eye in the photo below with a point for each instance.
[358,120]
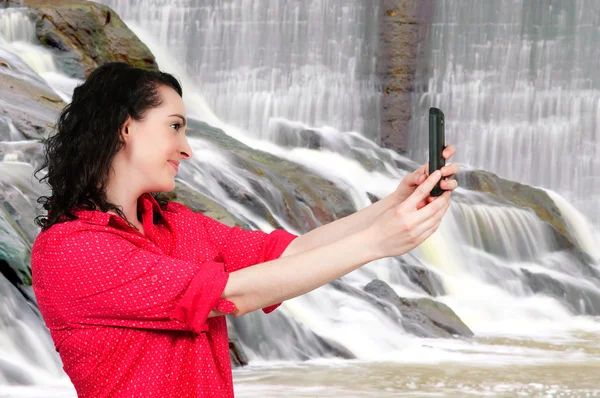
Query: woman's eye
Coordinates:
[176,124]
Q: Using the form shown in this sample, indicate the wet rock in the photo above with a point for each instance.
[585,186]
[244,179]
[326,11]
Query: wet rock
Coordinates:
[422,316]
[372,198]
[29,106]
[310,139]
[520,195]
[296,137]
[236,354]
[406,164]
[236,350]
[84,35]
[427,280]
[308,199]
[384,306]
[413,270]
[20,282]
[198,202]
[277,336]
[579,299]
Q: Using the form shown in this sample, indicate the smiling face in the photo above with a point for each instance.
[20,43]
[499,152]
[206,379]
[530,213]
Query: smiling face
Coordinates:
[153,145]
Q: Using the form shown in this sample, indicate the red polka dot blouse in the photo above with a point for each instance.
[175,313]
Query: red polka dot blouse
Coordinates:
[128,311]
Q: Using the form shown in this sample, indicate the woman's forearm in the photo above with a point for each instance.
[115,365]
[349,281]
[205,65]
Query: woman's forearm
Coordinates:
[338,229]
[269,283]
[324,235]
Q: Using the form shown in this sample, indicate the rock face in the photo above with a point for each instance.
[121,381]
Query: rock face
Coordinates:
[430,282]
[581,300]
[84,35]
[308,200]
[423,317]
[29,106]
[519,195]
[279,337]
[200,203]
[402,29]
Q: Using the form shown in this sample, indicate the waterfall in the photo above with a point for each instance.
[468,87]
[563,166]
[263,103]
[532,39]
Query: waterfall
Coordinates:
[17,37]
[312,61]
[519,83]
[502,269]
[482,246]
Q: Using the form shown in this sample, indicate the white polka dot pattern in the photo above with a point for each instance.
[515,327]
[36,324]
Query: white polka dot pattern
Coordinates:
[128,311]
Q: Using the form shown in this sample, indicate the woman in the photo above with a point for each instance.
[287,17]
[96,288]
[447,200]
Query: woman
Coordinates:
[134,289]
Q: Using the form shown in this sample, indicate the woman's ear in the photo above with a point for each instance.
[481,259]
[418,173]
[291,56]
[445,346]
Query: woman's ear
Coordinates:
[125,129]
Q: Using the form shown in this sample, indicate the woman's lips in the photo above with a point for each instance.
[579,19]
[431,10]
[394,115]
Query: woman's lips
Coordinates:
[175,165]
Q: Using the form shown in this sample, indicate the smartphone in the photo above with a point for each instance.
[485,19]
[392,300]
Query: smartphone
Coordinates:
[436,145]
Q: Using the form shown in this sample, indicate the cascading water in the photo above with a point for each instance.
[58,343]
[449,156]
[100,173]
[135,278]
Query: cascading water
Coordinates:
[490,257]
[307,61]
[519,83]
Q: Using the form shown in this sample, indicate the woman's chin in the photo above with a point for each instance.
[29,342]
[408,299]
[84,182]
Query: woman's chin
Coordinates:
[165,187]
[170,186]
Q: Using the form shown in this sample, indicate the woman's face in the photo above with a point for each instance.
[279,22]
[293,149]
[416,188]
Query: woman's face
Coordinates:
[154,144]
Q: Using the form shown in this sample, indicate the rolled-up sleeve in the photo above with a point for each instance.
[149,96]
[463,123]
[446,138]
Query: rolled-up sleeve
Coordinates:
[100,278]
[242,248]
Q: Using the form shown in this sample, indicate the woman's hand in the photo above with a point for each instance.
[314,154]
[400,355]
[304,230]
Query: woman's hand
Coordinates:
[411,181]
[405,226]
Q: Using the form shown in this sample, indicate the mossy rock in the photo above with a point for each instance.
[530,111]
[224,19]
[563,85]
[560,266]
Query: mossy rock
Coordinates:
[520,195]
[309,200]
[198,202]
[85,35]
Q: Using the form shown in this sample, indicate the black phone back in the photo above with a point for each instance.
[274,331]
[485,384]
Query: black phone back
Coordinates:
[436,145]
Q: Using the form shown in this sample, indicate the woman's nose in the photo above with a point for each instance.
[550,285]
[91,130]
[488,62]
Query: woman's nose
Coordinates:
[186,149]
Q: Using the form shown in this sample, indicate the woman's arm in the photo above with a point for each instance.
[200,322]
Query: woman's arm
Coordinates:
[272,282]
[395,232]
[338,229]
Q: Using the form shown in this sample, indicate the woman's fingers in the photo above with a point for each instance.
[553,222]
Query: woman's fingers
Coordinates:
[432,208]
[450,169]
[449,151]
[436,214]
[421,192]
[447,171]
[448,185]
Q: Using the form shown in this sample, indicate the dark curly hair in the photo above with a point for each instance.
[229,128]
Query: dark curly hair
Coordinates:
[79,155]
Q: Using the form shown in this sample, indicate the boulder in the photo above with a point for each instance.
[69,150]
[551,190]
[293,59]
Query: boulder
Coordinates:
[308,199]
[84,35]
[581,300]
[28,106]
[422,316]
[519,195]
[430,282]
[278,337]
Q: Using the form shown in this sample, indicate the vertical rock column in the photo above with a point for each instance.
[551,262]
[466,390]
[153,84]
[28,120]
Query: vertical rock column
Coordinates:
[403,28]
